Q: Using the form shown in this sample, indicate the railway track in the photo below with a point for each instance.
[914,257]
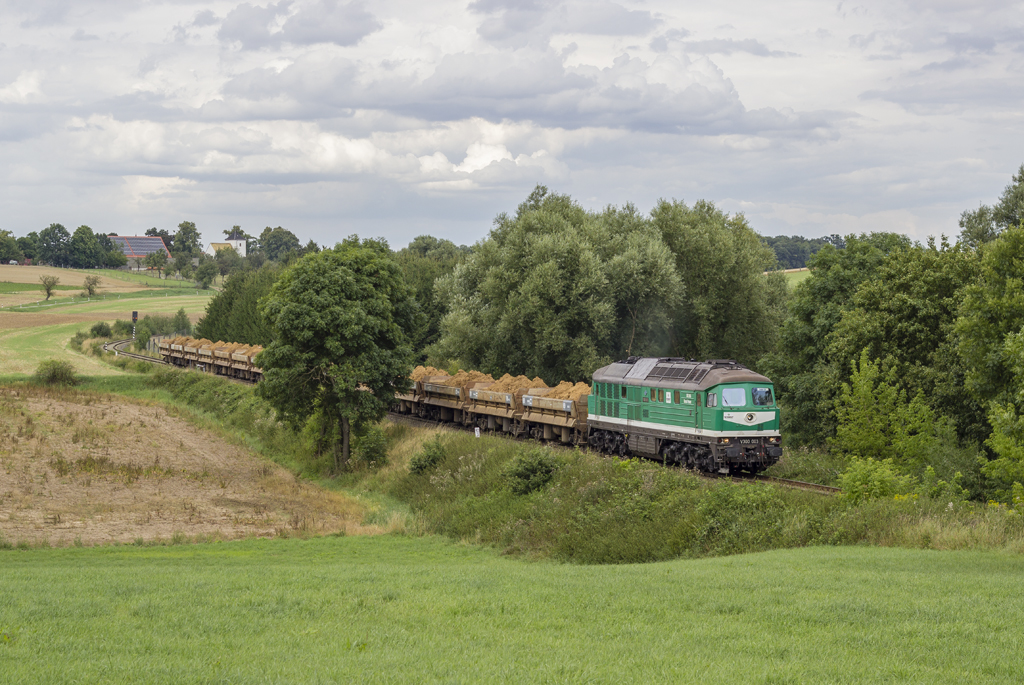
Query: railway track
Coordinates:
[795,484]
[117,346]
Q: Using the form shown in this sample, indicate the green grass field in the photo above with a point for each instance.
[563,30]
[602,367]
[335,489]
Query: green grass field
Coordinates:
[142,278]
[60,303]
[407,610]
[795,277]
[21,349]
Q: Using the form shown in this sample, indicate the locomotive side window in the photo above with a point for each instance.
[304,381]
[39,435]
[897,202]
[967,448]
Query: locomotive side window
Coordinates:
[661,395]
[623,392]
[698,399]
[733,397]
[677,397]
[762,396]
[712,399]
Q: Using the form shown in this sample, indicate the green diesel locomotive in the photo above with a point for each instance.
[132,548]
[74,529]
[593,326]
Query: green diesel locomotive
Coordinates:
[716,416]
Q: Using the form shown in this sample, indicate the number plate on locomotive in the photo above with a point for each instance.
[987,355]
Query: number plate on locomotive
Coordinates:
[748,441]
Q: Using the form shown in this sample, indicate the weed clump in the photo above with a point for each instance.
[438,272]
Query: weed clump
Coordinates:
[56,372]
[430,456]
[530,471]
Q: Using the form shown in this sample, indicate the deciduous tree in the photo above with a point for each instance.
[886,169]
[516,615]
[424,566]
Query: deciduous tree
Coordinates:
[49,284]
[54,245]
[340,350]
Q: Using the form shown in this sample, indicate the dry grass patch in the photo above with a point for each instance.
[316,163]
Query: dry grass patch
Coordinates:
[83,468]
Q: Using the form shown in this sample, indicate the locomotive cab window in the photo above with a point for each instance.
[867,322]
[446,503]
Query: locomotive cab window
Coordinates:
[733,397]
[762,397]
[712,399]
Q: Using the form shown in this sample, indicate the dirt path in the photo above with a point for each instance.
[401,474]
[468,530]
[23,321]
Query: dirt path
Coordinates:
[85,468]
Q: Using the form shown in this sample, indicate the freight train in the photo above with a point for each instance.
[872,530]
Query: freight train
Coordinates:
[712,416]
[234,360]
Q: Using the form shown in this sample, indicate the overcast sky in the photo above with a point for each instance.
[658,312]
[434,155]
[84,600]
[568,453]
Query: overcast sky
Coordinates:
[398,118]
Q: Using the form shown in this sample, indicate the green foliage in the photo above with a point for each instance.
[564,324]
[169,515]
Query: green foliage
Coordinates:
[206,272]
[100,329]
[90,285]
[186,241]
[424,261]
[9,248]
[806,377]
[121,329]
[49,284]
[985,224]
[905,314]
[870,479]
[142,335]
[432,453]
[233,314]
[277,243]
[77,340]
[371,448]
[874,419]
[992,310]
[731,309]
[556,292]
[55,245]
[793,252]
[531,471]
[935,488]
[340,347]
[181,323]
[156,260]
[227,261]
[84,249]
[56,372]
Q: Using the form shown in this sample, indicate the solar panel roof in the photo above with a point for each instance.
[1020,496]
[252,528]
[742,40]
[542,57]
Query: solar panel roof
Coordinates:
[139,245]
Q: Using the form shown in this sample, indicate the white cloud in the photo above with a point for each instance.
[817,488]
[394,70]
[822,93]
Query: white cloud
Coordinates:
[22,89]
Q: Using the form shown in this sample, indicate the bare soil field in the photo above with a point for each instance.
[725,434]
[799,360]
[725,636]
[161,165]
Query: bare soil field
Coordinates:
[84,468]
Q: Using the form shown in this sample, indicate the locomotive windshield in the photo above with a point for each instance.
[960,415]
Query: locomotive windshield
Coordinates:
[762,396]
[733,397]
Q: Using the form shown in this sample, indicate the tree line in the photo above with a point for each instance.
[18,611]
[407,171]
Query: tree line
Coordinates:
[895,355]
[87,249]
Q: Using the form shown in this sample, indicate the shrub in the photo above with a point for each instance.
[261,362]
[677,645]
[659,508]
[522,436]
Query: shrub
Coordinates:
[142,335]
[530,471]
[372,447]
[77,340]
[56,372]
[867,479]
[100,329]
[430,456]
[122,329]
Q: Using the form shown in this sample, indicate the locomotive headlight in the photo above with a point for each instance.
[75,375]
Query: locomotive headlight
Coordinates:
[724,441]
